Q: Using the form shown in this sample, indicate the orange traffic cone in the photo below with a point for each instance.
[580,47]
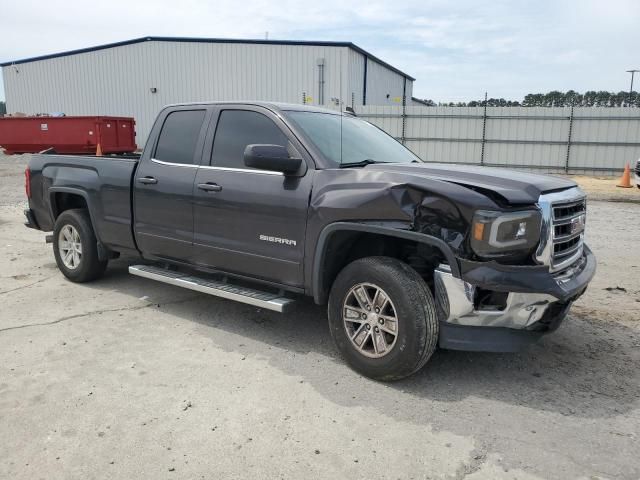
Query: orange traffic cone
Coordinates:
[98,151]
[625,181]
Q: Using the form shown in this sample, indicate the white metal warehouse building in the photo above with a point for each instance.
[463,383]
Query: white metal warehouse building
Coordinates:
[138,77]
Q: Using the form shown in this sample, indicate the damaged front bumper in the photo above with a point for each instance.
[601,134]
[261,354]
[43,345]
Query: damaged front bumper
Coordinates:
[532,302]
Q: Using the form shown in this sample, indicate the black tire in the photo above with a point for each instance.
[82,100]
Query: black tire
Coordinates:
[417,321]
[89,266]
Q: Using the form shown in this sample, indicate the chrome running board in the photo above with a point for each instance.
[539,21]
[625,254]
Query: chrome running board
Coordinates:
[257,298]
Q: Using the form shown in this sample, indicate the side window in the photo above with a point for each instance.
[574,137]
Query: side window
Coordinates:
[239,128]
[179,136]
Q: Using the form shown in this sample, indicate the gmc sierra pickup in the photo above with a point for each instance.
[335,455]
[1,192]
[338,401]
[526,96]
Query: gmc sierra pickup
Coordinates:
[259,202]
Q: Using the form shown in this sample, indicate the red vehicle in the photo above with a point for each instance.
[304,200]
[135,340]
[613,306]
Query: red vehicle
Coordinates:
[68,135]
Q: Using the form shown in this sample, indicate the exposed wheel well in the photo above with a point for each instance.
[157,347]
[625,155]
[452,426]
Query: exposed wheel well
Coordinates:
[62,201]
[345,246]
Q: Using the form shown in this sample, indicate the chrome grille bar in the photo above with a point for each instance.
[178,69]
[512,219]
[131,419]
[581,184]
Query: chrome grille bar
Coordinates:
[566,238]
[570,210]
[568,251]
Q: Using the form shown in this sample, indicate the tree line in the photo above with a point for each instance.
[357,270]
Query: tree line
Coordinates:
[555,98]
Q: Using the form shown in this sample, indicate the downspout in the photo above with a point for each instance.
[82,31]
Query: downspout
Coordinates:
[404,109]
[321,81]
[364,84]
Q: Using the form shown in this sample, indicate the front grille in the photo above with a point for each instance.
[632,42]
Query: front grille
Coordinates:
[562,239]
[568,233]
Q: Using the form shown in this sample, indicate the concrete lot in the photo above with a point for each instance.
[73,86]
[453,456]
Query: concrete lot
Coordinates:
[127,378]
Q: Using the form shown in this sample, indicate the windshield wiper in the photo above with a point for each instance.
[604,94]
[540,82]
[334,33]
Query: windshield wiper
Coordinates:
[361,163]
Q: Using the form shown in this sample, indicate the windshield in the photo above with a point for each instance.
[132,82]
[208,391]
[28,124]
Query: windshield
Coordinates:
[348,140]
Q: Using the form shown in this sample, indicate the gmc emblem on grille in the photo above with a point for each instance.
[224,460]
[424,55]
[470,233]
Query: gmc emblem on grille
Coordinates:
[577,224]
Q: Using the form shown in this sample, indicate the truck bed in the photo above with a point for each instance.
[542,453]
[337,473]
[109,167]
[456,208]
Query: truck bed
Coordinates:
[103,183]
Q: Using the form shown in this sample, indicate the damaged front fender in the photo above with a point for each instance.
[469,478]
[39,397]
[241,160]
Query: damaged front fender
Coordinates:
[320,289]
[423,210]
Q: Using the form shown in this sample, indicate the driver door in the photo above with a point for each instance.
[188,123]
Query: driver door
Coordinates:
[248,221]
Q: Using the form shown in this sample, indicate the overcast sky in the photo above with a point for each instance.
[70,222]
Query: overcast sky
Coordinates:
[455,49]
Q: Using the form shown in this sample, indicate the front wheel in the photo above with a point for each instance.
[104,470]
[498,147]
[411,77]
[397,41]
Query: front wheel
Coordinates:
[75,247]
[382,318]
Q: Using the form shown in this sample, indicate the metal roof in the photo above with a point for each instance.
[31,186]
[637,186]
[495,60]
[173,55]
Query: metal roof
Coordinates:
[210,40]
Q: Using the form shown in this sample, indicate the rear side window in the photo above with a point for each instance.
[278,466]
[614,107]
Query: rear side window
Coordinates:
[179,136]
[239,128]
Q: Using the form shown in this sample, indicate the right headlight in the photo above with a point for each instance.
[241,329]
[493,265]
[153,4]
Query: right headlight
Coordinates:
[498,233]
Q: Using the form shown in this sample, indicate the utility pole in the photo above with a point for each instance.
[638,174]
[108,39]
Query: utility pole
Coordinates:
[632,72]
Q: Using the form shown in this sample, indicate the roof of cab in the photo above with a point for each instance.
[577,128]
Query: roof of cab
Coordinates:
[270,105]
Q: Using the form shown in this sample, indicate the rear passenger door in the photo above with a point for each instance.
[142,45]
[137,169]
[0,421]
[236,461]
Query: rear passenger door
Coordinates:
[247,221]
[163,185]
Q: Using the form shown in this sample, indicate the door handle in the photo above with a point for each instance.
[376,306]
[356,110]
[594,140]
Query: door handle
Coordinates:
[147,180]
[210,187]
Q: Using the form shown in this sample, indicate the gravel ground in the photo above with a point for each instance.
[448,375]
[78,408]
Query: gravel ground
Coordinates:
[128,378]
[606,188]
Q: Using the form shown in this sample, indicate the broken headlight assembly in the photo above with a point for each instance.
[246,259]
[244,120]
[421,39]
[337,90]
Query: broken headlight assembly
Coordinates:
[498,233]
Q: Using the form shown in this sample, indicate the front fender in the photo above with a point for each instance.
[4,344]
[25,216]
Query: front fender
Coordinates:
[320,291]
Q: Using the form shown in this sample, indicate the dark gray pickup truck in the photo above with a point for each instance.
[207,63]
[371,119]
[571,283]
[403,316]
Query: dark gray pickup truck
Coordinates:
[259,203]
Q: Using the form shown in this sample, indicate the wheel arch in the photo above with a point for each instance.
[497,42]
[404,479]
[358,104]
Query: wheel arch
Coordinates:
[67,198]
[324,272]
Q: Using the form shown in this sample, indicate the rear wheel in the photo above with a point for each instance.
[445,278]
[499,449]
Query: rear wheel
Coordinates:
[75,247]
[382,318]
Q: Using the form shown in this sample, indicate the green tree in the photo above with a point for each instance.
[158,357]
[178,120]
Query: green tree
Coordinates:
[553,99]
[622,98]
[533,100]
[556,98]
[572,98]
[589,98]
[603,99]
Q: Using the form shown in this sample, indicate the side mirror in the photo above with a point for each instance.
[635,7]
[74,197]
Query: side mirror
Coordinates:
[271,157]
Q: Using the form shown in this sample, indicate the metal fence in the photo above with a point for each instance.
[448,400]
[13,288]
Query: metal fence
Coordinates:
[584,140]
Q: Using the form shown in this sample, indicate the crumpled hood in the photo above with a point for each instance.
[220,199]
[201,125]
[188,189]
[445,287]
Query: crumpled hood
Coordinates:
[514,186]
